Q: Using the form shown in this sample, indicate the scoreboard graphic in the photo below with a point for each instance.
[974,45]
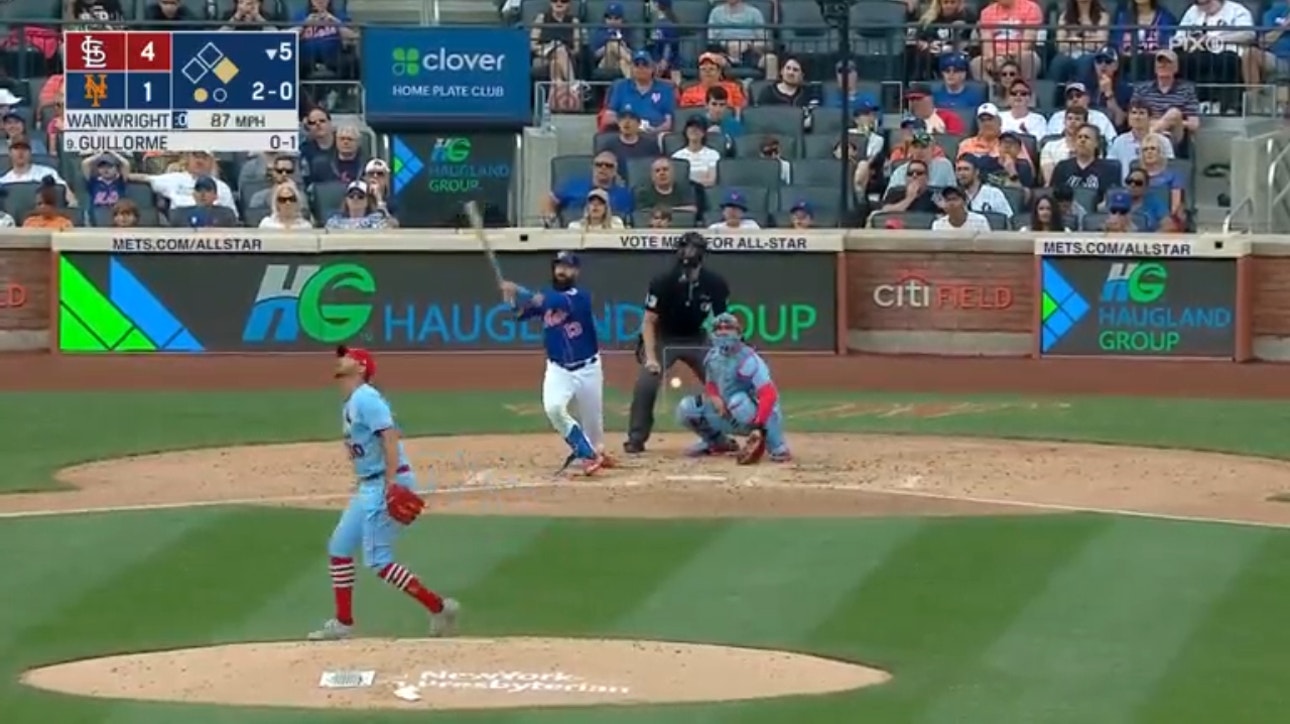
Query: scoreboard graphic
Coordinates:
[181,91]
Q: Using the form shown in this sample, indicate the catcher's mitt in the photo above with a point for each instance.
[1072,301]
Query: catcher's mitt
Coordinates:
[402,504]
[753,449]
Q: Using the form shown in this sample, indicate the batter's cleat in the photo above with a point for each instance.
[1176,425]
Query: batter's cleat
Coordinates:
[720,446]
[607,461]
[783,456]
[333,630]
[444,623]
[591,466]
[632,447]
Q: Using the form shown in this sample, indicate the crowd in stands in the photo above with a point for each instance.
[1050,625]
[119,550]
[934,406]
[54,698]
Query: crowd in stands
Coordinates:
[728,113]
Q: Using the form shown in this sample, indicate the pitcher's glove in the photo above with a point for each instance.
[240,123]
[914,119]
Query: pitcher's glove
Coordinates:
[753,448]
[402,504]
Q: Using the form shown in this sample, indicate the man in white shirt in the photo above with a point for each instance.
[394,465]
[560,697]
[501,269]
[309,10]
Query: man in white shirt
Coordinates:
[702,159]
[1060,149]
[1021,117]
[178,187]
[24,171]
[981,197]
[957,217]
[733,209]
[1211,38]
[1077,98]
[1127,146]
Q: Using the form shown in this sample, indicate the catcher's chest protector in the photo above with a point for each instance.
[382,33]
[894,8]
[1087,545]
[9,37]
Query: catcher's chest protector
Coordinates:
[724,370]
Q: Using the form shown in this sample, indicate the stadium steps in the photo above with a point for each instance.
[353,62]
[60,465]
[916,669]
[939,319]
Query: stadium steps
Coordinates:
[384,12]
[464,12]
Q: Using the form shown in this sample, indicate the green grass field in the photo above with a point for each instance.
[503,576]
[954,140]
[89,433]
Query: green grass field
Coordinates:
[1079,619]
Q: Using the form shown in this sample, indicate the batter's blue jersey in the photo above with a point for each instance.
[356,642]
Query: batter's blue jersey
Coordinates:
[364,416]
[568,327]
[743,372]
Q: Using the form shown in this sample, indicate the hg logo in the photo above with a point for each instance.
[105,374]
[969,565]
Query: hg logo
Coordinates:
[287,308]
[451,150]
[1140,283]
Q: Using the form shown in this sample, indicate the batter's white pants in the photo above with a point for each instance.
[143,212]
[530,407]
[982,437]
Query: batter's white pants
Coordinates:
[585,388]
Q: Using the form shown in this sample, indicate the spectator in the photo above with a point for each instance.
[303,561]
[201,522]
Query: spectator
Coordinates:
[1021,118]
[660,218]
[1084,170]
[733,208]
[286,209]
[1271,57]
[1082,31]
[105,176]
[945,26]
[1044,216]
[320,137]
[1172,101]
[1127,147]
[664,44]
[1111,92]
[359,210]
[980,196]
[6,221]
[801,216]
[1214,33]
[652,100]
[325,38]
[609,44]
[205,209]
[740,30]
[1012,167]
[923,107]
[597,214]
[662,191]
[8,101]
[247,15]
[376,174]
[790,89]
[347,161]
[770,151]
[1060,149]
[957,217]
[180,187]
[866,129]
[922,148]
[572,194]
[1077,98]
[24,171]
[1009,73]
[166,15]
[1119,205]
[848,82]
[702,159]
[46,214]
[903,147]
[1150,211]
[989,127]
[1009,29]
[1069,210]
[93,15]
[1142,28]
[125,214]
[954,91]
[1161,175]
[555,41]
[15,126]
[629,143]
[711,68]
[282,171]
[915,195]
[720,116]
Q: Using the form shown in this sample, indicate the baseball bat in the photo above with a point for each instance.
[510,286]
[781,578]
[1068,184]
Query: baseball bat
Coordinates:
[477,223]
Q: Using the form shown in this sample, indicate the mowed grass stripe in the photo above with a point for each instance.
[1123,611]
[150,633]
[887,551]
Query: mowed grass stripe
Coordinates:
[579,576]
[765,582]
[1093,645]
[1235,666]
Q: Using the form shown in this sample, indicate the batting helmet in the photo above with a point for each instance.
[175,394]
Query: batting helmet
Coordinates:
[355,360]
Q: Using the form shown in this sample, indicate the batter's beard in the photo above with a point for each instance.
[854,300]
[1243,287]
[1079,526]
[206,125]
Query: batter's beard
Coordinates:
[561,284]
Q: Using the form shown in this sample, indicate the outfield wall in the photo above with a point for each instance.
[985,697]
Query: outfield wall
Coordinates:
[431,290]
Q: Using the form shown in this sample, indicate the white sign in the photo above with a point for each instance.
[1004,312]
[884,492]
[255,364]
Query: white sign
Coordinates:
[515,682]
[346,679]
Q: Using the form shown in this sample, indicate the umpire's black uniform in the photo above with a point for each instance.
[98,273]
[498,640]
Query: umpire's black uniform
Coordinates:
[677,306]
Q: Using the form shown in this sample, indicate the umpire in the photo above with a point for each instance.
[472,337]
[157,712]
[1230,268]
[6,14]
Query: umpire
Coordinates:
[677,307]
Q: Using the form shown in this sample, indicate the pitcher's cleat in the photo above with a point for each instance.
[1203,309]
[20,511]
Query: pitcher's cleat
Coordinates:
[783,456]
[333,630]
[444,623]
[721,446]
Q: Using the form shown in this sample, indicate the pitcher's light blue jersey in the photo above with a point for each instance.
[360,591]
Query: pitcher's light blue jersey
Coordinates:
[365,415]
[744,371]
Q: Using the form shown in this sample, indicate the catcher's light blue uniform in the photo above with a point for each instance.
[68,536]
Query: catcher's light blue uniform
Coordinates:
[741,379]
[365,522]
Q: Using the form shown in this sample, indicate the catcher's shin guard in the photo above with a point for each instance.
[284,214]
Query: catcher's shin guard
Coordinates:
[696,415]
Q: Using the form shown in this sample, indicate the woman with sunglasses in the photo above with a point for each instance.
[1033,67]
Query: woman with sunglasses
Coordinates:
[286,209]
[1149,209]
[1161,176]
[358,210]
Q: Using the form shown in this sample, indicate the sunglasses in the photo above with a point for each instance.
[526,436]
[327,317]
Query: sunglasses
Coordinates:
[1136,182]
[375,173]
[605,164]
[284,171]
[287,199]
[1021,94]
[1008,74]
[315,122]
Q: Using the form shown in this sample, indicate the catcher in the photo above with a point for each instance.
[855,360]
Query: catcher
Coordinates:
[383,502]
[739,398]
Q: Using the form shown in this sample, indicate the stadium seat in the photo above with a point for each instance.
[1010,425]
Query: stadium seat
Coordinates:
[785,120]
[755,172]
[638,170]
[817,172]
[751,146]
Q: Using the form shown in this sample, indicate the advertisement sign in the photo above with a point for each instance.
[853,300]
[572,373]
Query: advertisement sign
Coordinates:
[447,76]
[404,301]
[12,295]
[435,174]
[916,291]
[1138,307]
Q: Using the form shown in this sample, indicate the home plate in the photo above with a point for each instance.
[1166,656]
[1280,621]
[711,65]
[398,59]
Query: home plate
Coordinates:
[695,478]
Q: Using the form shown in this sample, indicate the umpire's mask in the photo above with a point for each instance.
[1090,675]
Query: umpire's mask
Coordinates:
[690,249]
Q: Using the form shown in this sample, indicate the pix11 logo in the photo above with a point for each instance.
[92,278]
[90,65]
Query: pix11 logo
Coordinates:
[282,309]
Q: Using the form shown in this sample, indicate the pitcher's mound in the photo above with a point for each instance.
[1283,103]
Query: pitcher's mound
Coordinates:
[505,673]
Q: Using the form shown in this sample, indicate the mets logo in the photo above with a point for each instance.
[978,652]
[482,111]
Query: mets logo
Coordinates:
[554,317]
[96,90]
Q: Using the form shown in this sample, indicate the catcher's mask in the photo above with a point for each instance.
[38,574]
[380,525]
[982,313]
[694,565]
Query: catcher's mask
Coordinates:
[564,270]
[355,361]
[727,333]
[690,249]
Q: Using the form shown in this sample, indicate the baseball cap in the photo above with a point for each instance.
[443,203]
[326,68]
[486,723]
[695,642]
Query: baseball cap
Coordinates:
[1076,87]
[357,186]
[614,10]
[1010,136]
[956,61]
[1107,54]
[987,109]
[354,360]
[912,122]
[1168,54]
[20,142]
[735,199]
[921,138]
[953,191]
[696,122]
[376,164]
[918,90]
[802,205]
[598,194]
[628,112]
[642,57]
[567,258]
[1119,202]
[205,183]
[866,105]
[842,65]
[713,58]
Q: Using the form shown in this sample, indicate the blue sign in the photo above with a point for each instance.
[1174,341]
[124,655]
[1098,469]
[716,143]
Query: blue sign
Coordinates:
[235,71]
[449,77]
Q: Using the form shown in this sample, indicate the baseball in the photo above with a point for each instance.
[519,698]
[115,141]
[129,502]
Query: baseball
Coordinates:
[675,383]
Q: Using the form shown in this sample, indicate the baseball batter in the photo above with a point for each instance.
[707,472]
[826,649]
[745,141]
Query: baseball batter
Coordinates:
[573,371]
[740,398]
[383,502]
